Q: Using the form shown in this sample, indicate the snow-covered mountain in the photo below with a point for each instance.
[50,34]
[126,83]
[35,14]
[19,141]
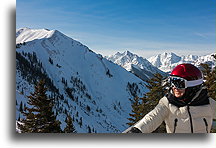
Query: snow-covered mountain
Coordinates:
[139,66]
[93,90]
[167,61]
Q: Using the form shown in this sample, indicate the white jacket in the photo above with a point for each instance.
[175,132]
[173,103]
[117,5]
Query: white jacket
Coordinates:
[186,119]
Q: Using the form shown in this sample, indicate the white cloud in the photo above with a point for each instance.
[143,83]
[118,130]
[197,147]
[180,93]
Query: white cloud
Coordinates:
[201,35]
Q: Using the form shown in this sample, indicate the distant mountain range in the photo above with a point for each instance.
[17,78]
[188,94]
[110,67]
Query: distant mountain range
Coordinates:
[135,64]
[167,61]
[161,63]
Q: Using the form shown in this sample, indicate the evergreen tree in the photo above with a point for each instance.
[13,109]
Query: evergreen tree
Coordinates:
[21,107]
[137,111]
[151,98]
[210,77]
[39,115]
[156,91]
[89,129]
[80,122]
[142,106]
[70,127]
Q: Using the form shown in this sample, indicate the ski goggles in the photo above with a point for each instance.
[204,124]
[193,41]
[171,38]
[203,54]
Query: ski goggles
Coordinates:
[181,83]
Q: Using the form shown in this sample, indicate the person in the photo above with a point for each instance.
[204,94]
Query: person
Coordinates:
[186,108]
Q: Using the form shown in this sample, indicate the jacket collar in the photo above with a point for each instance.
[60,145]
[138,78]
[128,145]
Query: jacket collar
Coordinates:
[200,98]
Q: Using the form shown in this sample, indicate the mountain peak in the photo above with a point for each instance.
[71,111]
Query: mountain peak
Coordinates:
[164,59]
[128,53]
[168,54]
[129,61]
[26,34]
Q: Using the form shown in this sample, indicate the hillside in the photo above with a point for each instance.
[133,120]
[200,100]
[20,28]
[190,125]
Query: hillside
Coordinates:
[95,92]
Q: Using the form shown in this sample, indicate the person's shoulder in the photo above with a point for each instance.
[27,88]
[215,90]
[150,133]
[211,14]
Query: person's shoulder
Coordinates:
[164,101]
[211,101]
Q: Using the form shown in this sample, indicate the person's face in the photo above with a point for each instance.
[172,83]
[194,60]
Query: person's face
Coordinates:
[178,92]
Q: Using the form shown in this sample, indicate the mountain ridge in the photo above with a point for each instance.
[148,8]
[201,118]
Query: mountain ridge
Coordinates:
[167,61]
[139,66]
[91,89]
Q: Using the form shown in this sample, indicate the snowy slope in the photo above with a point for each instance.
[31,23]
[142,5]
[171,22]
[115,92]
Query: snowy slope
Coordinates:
[135,64]
[167,61]
[27,34]
[95,91]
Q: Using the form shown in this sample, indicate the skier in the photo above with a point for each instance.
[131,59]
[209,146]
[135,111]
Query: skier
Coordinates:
[185,109]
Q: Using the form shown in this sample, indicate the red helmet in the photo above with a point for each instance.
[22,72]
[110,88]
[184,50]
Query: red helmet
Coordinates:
[188,72]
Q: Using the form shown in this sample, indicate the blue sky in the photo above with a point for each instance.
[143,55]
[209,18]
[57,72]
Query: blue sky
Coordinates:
[145,27]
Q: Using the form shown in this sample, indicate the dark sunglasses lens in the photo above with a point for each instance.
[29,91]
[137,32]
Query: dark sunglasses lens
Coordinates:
[177,82]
